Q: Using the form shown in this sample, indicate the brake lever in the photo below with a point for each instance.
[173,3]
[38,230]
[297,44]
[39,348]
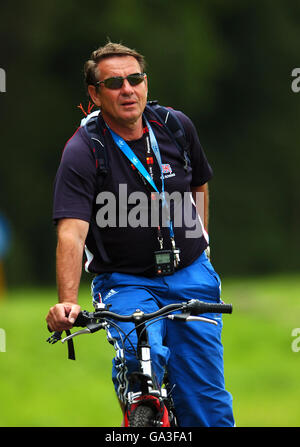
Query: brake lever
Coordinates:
[91,327]
[82,331]
[206,320]
[188,317]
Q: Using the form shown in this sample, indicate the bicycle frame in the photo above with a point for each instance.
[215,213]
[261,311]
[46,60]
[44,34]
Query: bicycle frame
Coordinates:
[150,392]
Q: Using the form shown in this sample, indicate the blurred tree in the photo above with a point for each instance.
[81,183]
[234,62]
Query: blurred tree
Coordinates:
[226,64]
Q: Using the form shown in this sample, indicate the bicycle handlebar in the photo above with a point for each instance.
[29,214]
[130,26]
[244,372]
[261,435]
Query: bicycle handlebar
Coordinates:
[94,321]
[192,307]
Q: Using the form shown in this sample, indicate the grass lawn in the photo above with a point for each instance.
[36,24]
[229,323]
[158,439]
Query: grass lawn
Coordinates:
[262,371]
[40,387]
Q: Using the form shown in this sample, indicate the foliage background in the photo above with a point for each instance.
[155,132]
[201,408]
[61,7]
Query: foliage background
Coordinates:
[225,64]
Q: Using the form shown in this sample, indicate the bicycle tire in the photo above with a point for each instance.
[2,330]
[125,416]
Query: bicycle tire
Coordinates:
[142,416]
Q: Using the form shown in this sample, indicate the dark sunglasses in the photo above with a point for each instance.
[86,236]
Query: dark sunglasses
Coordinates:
[116,82]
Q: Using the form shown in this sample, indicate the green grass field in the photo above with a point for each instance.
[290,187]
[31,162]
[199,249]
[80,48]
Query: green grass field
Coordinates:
[41,387]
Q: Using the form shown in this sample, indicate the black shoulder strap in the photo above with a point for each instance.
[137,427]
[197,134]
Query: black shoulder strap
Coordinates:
[167,117]
[95,133]
[94,129]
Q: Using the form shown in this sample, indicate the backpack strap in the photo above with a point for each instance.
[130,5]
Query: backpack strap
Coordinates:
[94,131]
[168,118]
[94,127]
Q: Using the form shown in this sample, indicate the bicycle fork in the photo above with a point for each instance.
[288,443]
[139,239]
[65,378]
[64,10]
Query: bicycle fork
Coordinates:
[150,392]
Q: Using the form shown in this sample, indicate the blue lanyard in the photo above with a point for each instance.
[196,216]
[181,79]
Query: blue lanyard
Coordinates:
[126,149]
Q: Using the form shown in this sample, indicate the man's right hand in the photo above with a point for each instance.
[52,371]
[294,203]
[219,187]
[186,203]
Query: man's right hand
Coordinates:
[62,316]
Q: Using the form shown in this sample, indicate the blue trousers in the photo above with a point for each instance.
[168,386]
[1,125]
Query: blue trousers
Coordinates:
[191,351]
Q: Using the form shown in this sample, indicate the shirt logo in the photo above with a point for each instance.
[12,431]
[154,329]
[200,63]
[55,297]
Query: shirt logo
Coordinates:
[109,294]
[167,171]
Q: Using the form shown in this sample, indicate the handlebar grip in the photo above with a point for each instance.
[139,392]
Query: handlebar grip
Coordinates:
[199,307]
[222,308]
[82,319]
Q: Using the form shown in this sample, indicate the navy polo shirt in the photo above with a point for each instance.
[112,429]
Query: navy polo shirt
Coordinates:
[123,218]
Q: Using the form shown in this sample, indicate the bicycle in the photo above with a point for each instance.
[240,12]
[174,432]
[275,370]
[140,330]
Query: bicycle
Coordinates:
[152,405]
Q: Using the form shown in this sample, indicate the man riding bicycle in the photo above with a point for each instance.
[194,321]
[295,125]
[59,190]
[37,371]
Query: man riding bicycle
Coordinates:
[143,256]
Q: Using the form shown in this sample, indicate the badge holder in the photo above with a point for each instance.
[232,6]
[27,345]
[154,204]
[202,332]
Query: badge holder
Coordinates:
[166,261]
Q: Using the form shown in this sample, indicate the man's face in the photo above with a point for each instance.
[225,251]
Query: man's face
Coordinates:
[124,106]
